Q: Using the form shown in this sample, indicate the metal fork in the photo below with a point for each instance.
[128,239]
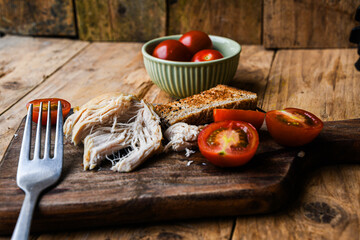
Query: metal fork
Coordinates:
[33,176]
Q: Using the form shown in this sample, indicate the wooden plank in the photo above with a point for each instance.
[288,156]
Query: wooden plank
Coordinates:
[308,23]
[100,68]
[240,20]
[324,82]
[192,229]
[253,70]
[327,209]
[93,20]
[121,20]
[138,20]
[37,17]
[25,62]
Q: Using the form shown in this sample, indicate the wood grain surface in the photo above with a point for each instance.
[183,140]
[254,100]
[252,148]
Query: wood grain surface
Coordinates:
[327,206]
[274,23]
[121,20]
[327,203]
[170,187]
[24,63]
[84,70]
[322,81]
[38,17]
[190,229]
[308,23]
[93,20]
[238,20]
[97,70]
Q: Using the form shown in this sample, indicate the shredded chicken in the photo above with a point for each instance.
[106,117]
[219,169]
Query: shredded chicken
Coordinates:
[141,138]
[102,110]
[182,136]
[188,152]
[115,122]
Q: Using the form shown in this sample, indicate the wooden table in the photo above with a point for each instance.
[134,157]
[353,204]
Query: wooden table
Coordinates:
[324,82]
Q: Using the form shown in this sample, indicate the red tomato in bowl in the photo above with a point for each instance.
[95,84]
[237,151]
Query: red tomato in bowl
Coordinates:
[293,127]
[172,50]
[255,118]
[228,143]
[196,41]
[206,55]
[66,106]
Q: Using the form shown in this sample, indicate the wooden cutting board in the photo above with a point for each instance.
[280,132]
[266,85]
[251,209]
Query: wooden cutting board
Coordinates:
[172,186]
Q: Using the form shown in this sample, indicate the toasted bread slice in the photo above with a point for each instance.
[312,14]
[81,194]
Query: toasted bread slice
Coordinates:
[198,109]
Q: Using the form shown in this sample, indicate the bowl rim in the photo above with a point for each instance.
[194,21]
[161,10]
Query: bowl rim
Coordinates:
[147,55]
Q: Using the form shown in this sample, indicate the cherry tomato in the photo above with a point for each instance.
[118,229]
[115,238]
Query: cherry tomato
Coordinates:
[53,108]
[206,55]
[196,41]
[254,117]
[172,50]
[293,127]
[228,143]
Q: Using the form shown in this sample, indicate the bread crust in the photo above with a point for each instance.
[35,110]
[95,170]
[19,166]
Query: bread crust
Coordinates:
[198,109]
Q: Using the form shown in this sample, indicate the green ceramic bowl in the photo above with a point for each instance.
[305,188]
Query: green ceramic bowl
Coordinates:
[182,79]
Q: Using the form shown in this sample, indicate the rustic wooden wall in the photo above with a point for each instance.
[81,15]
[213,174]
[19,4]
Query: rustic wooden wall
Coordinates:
[274,23]
[121,20]
[240,20]
[37,17]
[308,23]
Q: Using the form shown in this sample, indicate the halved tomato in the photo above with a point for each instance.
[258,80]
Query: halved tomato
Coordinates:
[254,117]
[228,143]
[292,126]
[66,106]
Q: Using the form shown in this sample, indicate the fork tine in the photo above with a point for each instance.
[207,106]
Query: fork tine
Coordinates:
[59,147]
[26,142]
[38,134]
[48,132]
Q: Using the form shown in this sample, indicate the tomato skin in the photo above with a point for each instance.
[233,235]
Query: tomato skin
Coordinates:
[255,118]
[196,41]
[206,55]
[228,157]
[288,134]
[66,106]
[172,50]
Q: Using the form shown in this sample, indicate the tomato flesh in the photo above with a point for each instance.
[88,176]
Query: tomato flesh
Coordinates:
[206,55]
[196,41]
[228,143]
[254,117]
[66,106]
[172,50]
[293,127]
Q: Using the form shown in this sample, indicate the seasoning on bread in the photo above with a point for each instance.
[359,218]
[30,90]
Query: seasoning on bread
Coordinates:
[198,109]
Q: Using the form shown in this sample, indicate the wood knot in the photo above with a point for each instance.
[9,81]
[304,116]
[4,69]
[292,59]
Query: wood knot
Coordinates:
[4,70]
[169,236]
[322,212]
[121,9]
[11,85]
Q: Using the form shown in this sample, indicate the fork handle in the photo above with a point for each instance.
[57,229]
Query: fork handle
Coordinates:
[23,223]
